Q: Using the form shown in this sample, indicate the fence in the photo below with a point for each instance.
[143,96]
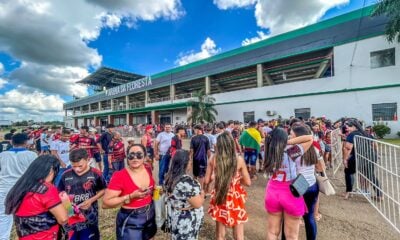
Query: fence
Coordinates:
[336,150]
[378,176]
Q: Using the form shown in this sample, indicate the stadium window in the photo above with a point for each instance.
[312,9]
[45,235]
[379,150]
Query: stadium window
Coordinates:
[248,117]
[304,113]
[384,112]
[383,58]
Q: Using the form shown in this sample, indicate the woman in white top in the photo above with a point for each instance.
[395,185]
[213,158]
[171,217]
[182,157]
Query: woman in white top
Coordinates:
[281,158]
[306,166]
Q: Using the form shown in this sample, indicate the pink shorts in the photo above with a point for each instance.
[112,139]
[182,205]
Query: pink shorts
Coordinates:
[278,198]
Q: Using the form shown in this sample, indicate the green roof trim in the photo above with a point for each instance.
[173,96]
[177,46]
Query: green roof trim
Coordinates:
[362,12]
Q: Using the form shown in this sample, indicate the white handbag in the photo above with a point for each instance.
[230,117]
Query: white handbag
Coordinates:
[325,185]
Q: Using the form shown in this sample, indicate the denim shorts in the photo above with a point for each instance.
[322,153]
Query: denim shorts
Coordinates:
[250,157]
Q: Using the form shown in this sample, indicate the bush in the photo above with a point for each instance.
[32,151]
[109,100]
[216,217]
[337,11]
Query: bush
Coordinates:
[381,130]
[398,133]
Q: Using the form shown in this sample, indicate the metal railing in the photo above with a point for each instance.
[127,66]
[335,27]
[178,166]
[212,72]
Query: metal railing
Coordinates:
[161,99]
[336,150]
[378,177]
[136,105]
[183,96]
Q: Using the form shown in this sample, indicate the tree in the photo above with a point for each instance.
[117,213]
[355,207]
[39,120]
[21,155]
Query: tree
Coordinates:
[203,108]
[391,9]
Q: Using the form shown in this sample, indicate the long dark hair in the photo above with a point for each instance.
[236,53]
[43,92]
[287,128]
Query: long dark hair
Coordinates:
[34,176]
[354,122]
[310,156]
[275,144]
[226,166]
[178,168]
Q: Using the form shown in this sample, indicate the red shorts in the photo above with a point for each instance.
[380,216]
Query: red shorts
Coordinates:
[278,198]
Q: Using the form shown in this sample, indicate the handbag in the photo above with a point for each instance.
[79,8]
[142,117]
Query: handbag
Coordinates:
[299,185]
[325,185]
[166,226]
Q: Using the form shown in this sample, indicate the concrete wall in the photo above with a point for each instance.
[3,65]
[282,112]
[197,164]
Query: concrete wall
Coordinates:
[348,75]
[179,116]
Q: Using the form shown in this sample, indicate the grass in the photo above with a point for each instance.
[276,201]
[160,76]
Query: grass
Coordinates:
[395,141]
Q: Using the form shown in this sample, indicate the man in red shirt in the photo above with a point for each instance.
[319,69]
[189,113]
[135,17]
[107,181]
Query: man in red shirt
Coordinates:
[176,141]
[117,154]
[84,141]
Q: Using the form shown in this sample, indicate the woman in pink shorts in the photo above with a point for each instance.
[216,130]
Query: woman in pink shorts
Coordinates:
[280,160]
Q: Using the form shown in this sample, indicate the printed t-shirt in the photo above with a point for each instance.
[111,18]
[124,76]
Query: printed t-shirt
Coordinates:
[287,170]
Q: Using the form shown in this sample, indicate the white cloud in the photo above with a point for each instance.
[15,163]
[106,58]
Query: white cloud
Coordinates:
[23,103]
[2,83]
[148,10]
[208,49]
[284,15]
[51,79]
[260,36]
[226,4]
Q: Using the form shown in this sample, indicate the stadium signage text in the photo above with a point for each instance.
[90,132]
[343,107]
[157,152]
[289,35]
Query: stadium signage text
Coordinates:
[127,87]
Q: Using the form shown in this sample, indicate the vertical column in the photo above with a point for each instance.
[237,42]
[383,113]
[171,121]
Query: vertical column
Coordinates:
[109,119]
[259,75]
[127,119]
[207,85]
[153,117]
[90,107]
[146,97]
[188,114]
[95,121]
[172,92]
[112,104]
[99,107]
[80,110]
[127,102]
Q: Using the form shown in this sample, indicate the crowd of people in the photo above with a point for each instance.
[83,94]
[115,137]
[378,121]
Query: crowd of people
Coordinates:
[51,181]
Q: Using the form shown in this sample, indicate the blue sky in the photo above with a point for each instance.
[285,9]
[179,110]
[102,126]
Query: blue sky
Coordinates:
[153,47]
[59,42]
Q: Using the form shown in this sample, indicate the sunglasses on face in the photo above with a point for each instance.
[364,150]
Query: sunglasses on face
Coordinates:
[133,155]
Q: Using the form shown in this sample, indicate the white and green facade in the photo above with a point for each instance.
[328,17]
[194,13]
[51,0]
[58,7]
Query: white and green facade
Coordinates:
[340,67]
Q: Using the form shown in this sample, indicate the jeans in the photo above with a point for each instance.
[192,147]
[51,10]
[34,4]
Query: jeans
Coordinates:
[116,166]
[105,167]
[250,157]
[6,221]
[310,198]
[163,167]
[91,232]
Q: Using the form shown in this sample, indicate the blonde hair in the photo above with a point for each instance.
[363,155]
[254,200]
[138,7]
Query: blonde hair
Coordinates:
[226,166]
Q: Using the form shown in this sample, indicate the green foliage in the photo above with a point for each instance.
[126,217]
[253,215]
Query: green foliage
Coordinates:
[398,133]
[203,108]
[381,130]
[391,9]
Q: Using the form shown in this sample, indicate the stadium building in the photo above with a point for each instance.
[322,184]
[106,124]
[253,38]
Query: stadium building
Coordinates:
[339,67]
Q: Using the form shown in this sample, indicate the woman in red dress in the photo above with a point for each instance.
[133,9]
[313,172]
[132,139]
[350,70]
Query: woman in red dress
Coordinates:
[227,205]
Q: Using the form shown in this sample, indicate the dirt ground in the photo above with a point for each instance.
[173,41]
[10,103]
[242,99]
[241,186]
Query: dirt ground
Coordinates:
[341,219]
